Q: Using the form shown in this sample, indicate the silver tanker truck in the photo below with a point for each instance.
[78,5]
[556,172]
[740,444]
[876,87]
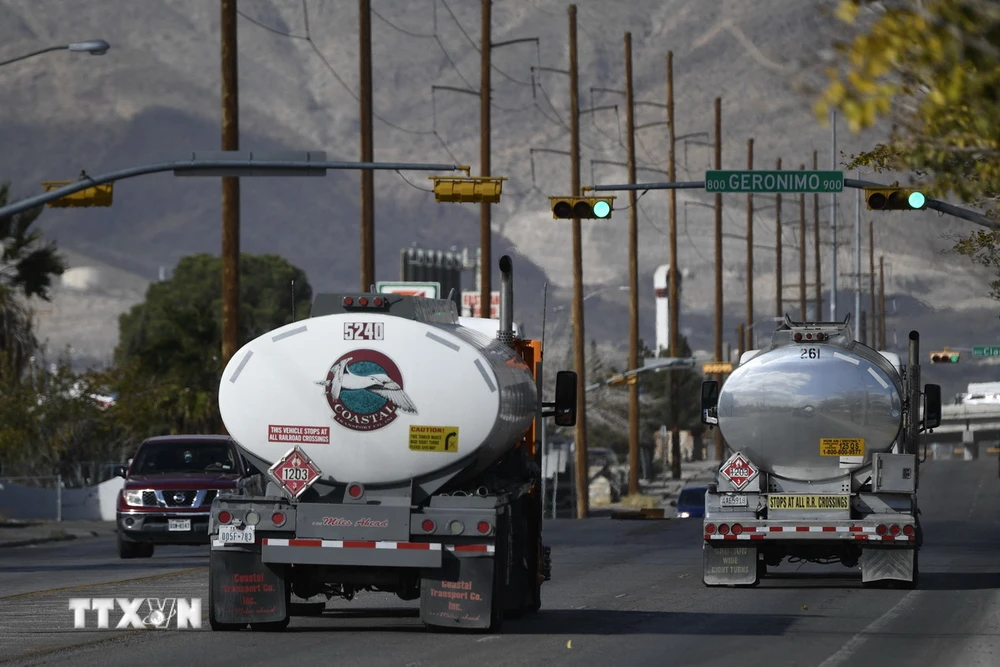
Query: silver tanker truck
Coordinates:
[824,466]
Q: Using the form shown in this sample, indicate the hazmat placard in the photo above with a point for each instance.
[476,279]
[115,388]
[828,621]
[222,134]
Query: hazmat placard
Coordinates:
[434,439]
[842,447]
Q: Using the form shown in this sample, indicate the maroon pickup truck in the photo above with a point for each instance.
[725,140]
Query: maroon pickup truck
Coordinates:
[169,488]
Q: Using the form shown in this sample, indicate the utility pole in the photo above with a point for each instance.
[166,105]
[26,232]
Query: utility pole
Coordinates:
[674,305]
[749,320]
[579,358]
[367,146]
[864,328]
[833,220]
[871,281]
[881,302]
[485,220]
[230,187]
[740,340]
[816,248]
[718,260]
[802,254]
[633,270]
[857,257]
[779,263]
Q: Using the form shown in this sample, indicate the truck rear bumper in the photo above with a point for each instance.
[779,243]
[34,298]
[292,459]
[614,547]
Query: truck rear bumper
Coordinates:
[355,552]
[893,530]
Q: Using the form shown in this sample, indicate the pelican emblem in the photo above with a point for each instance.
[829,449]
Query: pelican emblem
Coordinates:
[364,388]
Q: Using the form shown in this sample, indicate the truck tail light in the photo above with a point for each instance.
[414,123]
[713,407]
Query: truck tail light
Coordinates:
[908,530]
[710,528]
[894,530]
[737,529]
[355,490]
[484,527]
[881,529]
[428,526]
[225,517]
[723,529]
[278,519]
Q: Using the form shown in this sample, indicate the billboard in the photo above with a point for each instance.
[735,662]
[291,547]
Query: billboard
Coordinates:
[427,290]
[470,304]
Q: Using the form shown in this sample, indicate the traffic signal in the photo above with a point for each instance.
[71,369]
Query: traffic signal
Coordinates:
[895,199]
[468,189]
[945,357]
[585,208]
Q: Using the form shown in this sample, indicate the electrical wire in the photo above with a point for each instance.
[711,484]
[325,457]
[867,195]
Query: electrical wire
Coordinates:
[478,48]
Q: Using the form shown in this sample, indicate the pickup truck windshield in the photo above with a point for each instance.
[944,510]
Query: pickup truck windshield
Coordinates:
[183,457]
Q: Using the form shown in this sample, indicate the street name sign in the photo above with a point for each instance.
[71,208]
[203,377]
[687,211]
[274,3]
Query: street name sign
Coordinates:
[774,182]
[986,351]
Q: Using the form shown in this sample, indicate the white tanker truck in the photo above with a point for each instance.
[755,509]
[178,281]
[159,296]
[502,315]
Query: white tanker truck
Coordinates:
[823,432]
[400,445]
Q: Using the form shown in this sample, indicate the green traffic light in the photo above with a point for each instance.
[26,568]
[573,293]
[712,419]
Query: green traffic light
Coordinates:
[954,358]
[916,200]
[602,209]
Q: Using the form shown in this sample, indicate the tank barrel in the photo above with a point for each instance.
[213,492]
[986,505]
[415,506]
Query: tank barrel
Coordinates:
[505,333]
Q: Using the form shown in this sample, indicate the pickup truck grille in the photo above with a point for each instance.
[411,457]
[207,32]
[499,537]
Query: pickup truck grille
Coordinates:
[178,498]
[149,498]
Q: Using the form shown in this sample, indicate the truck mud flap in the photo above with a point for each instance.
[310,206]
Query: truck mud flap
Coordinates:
[243,589]
[730,566]
[888,564]
[459,594]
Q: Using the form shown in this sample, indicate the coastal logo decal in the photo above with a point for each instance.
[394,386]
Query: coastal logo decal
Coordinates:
[365,391]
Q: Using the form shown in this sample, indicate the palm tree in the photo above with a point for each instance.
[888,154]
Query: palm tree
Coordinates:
[27,266]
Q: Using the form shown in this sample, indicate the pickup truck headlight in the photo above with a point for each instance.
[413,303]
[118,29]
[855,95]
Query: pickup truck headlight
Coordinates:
[133,498]
[683,515]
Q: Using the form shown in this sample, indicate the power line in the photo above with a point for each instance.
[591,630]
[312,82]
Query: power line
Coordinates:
[478,48]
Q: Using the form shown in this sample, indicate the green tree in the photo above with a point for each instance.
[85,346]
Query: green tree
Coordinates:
[933,68]
[168,356]
[27,265]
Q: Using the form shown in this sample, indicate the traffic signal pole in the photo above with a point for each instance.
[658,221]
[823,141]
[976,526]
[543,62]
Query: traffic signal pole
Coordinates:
[749,320]
[367,145]
[485,219]
[718,263]
[579,338]
[817,256]
[778,246]
[674,305]
[802,254]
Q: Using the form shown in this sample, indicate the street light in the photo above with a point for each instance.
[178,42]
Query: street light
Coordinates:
[620,288]
[95,47]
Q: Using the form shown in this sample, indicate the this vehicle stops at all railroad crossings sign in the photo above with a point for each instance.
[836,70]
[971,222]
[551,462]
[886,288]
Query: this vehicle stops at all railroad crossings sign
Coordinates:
[295,472]
[739,471]
[791,181]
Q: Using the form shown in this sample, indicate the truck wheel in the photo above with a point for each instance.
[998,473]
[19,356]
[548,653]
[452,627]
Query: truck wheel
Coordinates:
[144,551]
[276,626]
[126,550]
[306,608]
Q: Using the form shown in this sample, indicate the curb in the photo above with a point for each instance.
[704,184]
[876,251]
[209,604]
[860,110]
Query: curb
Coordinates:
[45,540]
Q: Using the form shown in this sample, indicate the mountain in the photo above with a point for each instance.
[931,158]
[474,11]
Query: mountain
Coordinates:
[155,97]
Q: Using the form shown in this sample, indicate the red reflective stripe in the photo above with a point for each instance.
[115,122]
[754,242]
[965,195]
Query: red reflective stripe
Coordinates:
[349,544]
[888,538]
[470,547]
[305,543]
[750,529]
[413,545]
[729,537]
[802,529]
[757,537]
[861,537]
[775,529]
[829,529]
[857,529]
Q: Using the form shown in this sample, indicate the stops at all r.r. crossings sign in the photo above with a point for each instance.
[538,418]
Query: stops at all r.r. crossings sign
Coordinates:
[765,182]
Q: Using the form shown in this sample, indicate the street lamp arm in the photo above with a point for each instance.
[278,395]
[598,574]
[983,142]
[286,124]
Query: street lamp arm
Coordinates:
[62,47]
[192,166]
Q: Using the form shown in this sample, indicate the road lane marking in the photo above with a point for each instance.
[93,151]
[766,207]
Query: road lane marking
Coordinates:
[151,577]
[848,650]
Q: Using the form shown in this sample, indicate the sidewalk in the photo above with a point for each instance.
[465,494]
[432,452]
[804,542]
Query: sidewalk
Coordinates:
[14,533]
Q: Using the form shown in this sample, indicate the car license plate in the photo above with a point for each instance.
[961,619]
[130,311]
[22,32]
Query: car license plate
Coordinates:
[179,524]
[233,535]
[733,501]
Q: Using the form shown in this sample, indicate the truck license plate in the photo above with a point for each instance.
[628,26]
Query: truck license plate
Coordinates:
[733,501]
[233,535]
[178,524]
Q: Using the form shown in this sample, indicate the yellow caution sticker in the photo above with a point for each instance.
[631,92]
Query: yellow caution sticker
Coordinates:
[434,439]
[841,446]
[803,502]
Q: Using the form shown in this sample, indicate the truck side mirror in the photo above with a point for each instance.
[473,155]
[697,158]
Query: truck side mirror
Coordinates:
[932,406]
[119,471]
[709,402]
[565,403]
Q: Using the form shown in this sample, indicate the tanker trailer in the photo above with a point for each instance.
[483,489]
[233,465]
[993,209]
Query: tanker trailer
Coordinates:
[823,435]
[401,457]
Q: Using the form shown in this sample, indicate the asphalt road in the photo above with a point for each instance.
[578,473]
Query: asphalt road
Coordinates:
[622,593]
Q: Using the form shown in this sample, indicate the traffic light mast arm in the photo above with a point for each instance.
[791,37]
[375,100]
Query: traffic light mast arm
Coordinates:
[659,364]
[934,204]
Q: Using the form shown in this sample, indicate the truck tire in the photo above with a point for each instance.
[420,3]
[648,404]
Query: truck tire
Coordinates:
[126,550]
[145,550]
[306,608]
[276,626]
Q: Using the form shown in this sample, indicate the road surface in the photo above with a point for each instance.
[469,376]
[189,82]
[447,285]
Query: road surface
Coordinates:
[622,593]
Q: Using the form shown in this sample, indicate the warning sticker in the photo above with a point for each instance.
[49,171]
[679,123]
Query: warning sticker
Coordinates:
[434,439]
[312,435]
[842,447]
